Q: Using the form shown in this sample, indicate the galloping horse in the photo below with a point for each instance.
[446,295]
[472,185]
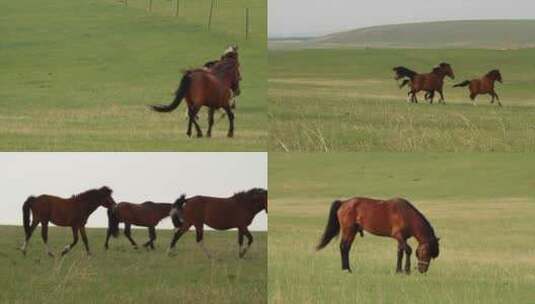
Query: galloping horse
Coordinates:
[236,211]
[429,82]
[147,214]
[211,87]
[484,85]
[72,212]
[395,218]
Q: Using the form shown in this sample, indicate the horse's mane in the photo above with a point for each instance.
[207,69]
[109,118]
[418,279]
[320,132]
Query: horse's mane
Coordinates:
[92,194]
[404,72]
[493,72]
[227,63]
[249,193]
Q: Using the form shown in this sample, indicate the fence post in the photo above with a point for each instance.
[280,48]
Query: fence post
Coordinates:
[149,6]
[125,3]
[210,16]
[177,8]
[246,23]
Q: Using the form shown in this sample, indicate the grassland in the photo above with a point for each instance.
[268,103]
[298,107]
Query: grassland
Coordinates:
[344,99]
[124,275]
[481,205]
[78,75]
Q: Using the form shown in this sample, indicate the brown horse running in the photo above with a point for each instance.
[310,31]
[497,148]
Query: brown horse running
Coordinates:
[236,211]
[395,218]
[211,87]
[483,85]
[72,212]
[429,82]
[147,214]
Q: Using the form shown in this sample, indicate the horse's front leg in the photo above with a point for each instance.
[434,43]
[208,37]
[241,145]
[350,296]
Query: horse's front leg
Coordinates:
[84,239]
[441,96]
[230,121]
[74,241]
[210,121]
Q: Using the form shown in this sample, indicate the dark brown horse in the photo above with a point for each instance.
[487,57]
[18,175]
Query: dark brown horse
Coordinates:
[483,85]
[395,218]
[147,214]
[65,212]
[429,82]
[211,87]
[236,211]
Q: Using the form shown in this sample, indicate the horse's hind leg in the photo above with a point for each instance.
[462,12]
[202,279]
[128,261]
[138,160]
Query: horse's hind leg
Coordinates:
[44,234]
[348,235]
[74,241]
[210,121]
[127,230]
[152,237]
[200,233]
[84,239]
[230,121]
[193,120]
[28,236]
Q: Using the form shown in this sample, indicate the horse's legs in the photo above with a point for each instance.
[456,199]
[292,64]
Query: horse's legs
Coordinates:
[348,235]
[441,96]
[400,256]
[473,98]
[74,241]
[244,231]
[497,98]
[408,252]
[178,234]
[190,122]
[84,239]
[127,230]
[199,230]
[108,234]
[152,237]
[44,234]
[28,236]
[193,119]
[210,121]
[230,121]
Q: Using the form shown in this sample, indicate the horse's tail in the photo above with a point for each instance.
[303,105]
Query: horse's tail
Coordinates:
[403,83]
[179,95]
[26,213]
[404,72]
[333,226]
[462,84]
[113,222]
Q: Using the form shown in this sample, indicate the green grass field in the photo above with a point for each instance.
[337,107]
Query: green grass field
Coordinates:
[344,99]
[481,206]
[78,75]
[125,275]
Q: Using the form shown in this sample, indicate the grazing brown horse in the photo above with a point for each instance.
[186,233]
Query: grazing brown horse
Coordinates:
[212,87]
[483,85]
[147,214]
[395,218]
[429,82]
[65,212]
[236,211]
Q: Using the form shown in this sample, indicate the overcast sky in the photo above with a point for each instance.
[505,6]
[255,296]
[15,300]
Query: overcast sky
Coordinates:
[134,177]
[316,17]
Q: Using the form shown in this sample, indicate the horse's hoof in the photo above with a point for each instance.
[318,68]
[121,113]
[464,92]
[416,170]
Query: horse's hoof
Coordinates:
[347,270]
[230,135]
[199,135]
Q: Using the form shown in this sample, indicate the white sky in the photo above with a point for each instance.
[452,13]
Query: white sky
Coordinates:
[316,17]
[134,177]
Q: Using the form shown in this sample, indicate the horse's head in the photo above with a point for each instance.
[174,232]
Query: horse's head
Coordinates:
[106,200]
[495,75]
[425,253]
[176,211]
[447,70]
[230,51]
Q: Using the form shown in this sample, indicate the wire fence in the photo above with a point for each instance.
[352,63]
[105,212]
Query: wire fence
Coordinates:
[242,18]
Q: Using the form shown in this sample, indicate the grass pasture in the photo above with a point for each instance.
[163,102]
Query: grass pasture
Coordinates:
[125,275]
[481,205]
[345,99]
[78,75]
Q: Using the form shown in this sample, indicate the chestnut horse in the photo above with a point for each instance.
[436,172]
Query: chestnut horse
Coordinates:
[483,85]
[429,82]
[147,214]
[395,218]
[65,212]
[236,211]
[211,87]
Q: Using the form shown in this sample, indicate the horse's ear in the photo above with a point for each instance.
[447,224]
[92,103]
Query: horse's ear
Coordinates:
[438,239]
[106,189]
[183,196]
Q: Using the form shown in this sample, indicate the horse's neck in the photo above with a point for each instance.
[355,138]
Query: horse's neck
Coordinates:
[90,207]
[163,209]
[425,234]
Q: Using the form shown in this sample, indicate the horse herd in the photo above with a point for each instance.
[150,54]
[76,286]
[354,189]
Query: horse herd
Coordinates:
[236,211]
[215,85]
[434,82]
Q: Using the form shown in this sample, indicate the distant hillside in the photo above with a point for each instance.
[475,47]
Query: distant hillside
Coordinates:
[498,34]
